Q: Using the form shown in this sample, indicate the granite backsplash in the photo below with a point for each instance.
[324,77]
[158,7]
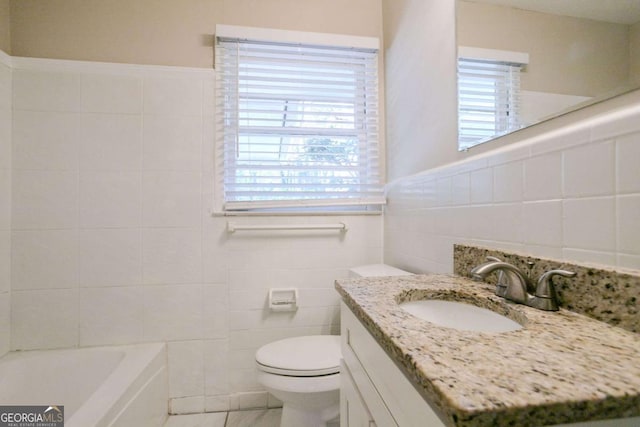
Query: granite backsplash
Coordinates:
[603,294]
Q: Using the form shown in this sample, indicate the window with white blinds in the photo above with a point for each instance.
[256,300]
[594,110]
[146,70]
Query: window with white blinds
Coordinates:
[297,124]
[488,100]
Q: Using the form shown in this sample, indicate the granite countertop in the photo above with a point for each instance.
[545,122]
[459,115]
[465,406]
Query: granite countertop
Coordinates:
[560,367]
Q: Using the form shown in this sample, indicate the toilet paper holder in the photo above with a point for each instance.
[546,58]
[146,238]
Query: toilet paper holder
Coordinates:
[283,299]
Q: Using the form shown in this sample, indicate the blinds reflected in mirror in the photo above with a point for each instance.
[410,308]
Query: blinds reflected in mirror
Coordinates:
[489,98]
[489,101]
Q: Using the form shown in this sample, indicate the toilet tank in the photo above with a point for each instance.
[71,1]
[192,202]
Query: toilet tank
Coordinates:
[373,270]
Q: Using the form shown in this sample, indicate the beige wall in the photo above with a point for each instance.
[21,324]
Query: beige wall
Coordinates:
[568,56]
[169,32]
[5,34]
[634,53]
[420,69]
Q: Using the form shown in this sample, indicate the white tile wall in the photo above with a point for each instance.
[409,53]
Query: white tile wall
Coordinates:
[508,182]
[173,312]
[543,223]
[187,377]
[44,259]
[174,96]
[5,259]
[216,311]
[5,321]
[190,405]
[44,199]
[589,224]
[44,318]
[481,186]
[5,131]
[5,201]
[171,199]
[461,189]
[628,224]
[112,226]
[110,142]
[110,257]
[110,315]
[117,94]
[43,90]
[543,177]
[45,141]
[627,170]
[171,255]
[110,199]
[589,170]
[571,195]
[172,143]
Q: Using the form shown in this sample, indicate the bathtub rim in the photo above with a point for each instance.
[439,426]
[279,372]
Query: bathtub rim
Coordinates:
[104,405]
[140,364]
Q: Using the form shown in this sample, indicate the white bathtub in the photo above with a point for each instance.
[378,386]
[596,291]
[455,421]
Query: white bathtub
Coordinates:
[121,386]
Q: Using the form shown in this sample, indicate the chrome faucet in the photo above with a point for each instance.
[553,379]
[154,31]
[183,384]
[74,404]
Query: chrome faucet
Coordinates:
[515,286]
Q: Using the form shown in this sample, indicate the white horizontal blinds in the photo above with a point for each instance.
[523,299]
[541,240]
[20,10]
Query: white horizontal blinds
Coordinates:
[300,124]
[488,100]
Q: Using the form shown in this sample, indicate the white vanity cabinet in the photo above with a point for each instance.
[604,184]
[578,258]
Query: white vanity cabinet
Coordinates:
[374,391]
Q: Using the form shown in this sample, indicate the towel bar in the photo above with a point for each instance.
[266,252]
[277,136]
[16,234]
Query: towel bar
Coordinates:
[233,227]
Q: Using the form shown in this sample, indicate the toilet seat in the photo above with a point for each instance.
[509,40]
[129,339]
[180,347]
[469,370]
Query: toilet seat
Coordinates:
[307,356]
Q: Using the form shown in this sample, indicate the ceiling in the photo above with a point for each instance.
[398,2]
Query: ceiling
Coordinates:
[618,11]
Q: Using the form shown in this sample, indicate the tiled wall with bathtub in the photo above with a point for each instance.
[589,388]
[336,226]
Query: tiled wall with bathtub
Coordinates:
[569,194]
[113,241]
[5,201]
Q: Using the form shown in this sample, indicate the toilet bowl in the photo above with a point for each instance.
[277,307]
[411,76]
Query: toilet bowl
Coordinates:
[304,373]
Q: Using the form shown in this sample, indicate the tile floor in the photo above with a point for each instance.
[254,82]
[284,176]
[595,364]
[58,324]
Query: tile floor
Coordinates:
[257,418]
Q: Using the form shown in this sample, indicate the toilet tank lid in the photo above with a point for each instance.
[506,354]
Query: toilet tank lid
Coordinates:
[316,353]
[373,270]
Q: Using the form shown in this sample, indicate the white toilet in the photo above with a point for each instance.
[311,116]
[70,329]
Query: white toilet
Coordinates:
[304,372]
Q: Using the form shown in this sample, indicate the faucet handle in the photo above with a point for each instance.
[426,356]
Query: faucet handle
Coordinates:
[545,286]
[546,297]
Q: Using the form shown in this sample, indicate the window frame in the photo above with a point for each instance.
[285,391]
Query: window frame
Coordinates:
[295,38]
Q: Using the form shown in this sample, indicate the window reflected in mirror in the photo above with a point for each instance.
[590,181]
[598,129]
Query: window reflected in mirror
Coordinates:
[575,57]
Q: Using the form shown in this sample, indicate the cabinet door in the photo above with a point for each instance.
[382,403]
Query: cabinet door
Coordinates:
[389,395]
[353,411]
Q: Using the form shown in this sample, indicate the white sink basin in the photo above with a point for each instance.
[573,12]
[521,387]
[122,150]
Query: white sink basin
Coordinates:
[461,316]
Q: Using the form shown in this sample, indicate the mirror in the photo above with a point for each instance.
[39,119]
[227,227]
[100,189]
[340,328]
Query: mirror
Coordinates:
[578,52]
